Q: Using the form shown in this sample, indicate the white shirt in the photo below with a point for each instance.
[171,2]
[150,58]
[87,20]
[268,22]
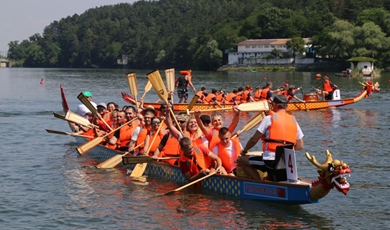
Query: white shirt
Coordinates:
[263,128]
[82,110]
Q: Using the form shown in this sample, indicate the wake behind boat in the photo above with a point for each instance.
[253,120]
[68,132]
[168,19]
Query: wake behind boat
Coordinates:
[332,174]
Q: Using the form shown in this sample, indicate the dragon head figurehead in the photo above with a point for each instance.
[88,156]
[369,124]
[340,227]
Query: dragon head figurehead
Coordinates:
[370,87]
[332,174]
[128,98]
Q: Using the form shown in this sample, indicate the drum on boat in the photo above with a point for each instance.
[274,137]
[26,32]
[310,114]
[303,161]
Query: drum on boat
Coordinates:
[310,97]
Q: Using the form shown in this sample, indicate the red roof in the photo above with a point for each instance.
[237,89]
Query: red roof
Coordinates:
[277,41]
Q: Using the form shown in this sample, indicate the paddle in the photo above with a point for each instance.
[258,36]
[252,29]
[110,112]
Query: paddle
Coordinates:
[170,77]
[208,110]
[66,133]
[252,123]
[115,160]
[189,184]
[158,85]
[89,145]
[192,102]
[91,108]
[75,118]
[254,106]
[148,87]
[139,169]
[133,86]
[143,159]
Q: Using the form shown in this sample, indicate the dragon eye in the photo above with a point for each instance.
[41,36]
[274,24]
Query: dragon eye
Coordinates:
[330,167]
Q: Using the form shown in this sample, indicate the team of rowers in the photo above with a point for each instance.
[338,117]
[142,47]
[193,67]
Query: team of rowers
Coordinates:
[199,143]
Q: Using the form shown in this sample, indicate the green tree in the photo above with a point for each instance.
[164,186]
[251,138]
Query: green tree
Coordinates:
[295,45]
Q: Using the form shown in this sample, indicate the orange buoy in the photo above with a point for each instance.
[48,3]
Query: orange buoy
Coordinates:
[42,82]
[318,75]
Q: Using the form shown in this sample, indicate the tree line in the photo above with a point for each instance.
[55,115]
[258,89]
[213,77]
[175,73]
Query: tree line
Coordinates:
[197,33]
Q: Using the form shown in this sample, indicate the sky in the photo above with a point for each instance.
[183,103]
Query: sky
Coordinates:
[20,19]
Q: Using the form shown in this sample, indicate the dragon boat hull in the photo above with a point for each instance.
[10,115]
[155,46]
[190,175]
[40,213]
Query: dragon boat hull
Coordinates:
[292,106]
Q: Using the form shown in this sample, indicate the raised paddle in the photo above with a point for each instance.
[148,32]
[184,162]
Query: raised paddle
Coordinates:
[148,87]
[254,106]
[115,160]
[89,145]
[75,118]
[133,86]
[252,123]
[66,133]
[192,102]
[170,77]
[139,169]
[208,110]
[91,108]
[158,85]
[189,184]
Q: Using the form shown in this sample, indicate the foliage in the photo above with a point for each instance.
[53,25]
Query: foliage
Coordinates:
[196,33]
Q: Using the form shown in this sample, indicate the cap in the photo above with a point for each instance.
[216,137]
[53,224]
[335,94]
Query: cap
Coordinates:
[102,104]
[87,94]
[280,99]
[205,118]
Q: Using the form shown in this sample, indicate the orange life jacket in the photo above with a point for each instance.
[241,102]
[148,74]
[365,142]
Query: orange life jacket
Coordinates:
[201,96]
[220,98]
[125,134]
[230,96]
[257,95]
[225,157]
[141,138]
[107,117]
[202,161]
[171,149]
[214,138]
[283,130]
[244,97]
[157,141]
[327,86]
[209,99]
[264,93]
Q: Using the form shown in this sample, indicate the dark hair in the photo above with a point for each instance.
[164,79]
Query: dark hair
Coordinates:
[223,131]
[131,108]
[185,141]
[203,88]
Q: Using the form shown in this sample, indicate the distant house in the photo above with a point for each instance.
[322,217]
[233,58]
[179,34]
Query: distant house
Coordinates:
[253,49]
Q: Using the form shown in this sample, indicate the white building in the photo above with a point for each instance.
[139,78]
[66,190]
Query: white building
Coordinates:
[253,50]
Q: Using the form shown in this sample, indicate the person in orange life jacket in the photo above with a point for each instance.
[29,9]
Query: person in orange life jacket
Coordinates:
[290,94]
[202,94]
[257,93]
[217,121]
[169,145]
[232,97]
[276,129]
[151,134]
[181,84]
[197,161]
[122,137]
[111,106]
[240,91]
[266,93]
[228,150]
[221,96]
[212,98]
[101,108]
[247,94]
[140,132]
[327,89]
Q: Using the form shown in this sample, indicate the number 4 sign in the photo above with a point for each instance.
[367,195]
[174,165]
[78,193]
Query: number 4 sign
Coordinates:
[292,173]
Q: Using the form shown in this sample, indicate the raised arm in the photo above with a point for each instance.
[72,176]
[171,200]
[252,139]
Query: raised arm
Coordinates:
[236,118]
[206,131]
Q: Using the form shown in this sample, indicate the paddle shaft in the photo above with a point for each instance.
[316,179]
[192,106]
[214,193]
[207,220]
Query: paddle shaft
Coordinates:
[252,123]
[193,102]
[209,110]
[115,160]
[189,184]
[66,133]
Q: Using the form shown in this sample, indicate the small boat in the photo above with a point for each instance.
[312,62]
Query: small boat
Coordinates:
[311,102]
[343,73]
[332,174]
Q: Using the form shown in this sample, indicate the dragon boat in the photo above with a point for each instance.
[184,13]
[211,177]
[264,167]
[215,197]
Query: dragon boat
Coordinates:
[311,101]
[332,174]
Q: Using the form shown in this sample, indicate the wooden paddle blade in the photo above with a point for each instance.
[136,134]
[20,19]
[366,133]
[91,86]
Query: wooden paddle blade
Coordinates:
[158,85]
[74,117]
[127,160]
[87,103]
[58,115]
[193,102]
[252,123]
[189,184]
[254,106]
[111,163]
[132,82]
[57,132]
[139,170]
[170,77]
[148,87]
[89,145]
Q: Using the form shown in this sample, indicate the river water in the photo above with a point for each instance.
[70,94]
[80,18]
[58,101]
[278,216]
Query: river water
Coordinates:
[45,184]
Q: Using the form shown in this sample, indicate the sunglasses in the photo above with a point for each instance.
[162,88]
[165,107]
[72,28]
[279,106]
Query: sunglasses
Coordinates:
[155,122]
[182,121]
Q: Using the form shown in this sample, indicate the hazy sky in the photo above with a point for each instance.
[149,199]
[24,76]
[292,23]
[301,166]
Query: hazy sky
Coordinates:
[19,19]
